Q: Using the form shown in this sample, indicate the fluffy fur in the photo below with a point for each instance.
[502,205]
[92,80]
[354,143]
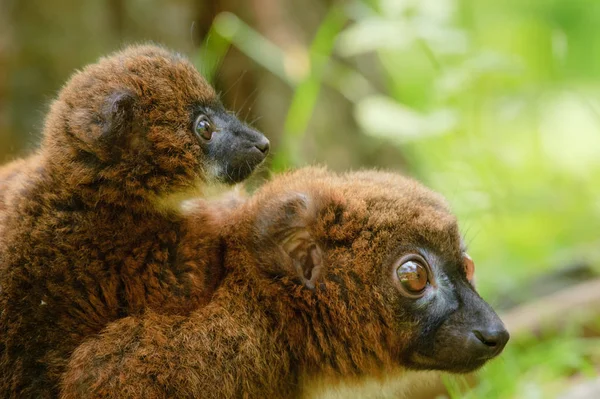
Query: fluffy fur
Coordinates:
[308,296]
[85,235]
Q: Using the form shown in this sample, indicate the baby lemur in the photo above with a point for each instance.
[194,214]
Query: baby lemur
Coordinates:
[89,233]
[327,277]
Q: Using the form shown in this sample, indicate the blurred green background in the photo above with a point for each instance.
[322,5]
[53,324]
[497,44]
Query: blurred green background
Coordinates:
[496,104]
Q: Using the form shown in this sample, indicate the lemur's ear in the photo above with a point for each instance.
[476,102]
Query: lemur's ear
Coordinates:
[106,131]
[469,267]
[305,255]
[288,225]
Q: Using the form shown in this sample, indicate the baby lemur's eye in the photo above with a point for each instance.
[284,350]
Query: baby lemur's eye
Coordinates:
[412,275]
[203,127]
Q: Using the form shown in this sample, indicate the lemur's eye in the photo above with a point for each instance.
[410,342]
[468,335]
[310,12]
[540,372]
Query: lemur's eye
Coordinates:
[413,275]
[469,267]
[203,127]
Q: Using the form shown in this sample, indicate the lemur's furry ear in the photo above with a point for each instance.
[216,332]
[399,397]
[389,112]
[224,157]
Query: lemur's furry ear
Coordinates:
[469,267]
[105,131]
[306,257]
[117,114]
[288,226]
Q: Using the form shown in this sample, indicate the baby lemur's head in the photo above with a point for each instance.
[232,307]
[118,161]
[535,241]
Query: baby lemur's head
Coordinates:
[143,120]
[376,263]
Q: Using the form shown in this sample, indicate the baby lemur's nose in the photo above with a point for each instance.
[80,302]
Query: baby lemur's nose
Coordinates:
[263,145]
[492,340]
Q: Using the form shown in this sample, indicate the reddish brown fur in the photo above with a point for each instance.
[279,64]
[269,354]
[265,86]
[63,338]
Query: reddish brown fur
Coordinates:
[82,239]
[13,177]
[264,334]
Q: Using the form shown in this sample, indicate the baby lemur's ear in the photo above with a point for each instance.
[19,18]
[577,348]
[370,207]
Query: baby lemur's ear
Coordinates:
[289,226]
[117,114]
[105,131]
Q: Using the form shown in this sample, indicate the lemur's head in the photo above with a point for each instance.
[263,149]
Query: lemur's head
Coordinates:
[376,263]
[144,120]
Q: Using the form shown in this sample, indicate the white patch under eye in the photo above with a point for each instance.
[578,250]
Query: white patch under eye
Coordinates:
[444,291]
[437,294]
[214,171]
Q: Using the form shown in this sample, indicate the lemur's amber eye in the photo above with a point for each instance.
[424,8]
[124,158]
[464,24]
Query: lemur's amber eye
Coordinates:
[203,127]
[413,276]
[469,267]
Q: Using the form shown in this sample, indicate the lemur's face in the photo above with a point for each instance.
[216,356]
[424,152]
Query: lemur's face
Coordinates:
[455,329]
[191,130]
[387,272]
[147,118]
[231,149]
[426,277]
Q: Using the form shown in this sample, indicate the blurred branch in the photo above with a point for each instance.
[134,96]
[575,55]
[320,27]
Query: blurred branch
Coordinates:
[252,44]
[211,53]
[307,92]
[351,84]
[584,390]
[550,311]
[213,47]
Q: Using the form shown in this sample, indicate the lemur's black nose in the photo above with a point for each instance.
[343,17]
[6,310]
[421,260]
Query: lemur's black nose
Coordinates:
[491,340]
[263,145]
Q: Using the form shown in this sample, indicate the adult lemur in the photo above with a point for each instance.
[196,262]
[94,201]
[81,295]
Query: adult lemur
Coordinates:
[328,278]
